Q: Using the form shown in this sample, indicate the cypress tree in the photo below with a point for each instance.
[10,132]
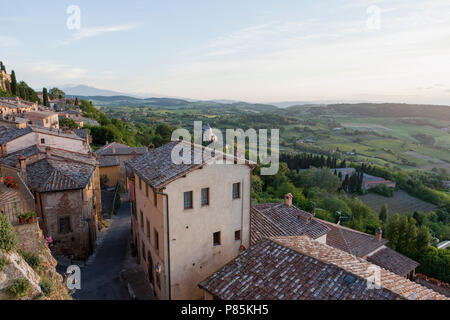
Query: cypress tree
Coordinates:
[383,213]
[13,83]
[45,96]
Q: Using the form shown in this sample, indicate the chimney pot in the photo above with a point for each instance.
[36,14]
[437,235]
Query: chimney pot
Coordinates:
[379,234]
[288,199]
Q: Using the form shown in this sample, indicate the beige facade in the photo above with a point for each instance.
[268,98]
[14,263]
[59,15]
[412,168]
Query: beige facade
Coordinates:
[42,119]
[47,138]
[113,174]
[180,247]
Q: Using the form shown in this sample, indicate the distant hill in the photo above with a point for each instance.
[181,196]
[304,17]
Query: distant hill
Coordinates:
[394,110]
[82,90]
[122,100]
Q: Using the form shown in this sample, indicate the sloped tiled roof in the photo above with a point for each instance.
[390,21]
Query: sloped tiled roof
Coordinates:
[393,261]
[157,169]
[270,271]
[108,162]
[352,241]
[358,266]
[278,219]
[115,148]
[8,134]
[49,175]
[82,133]
[13,159]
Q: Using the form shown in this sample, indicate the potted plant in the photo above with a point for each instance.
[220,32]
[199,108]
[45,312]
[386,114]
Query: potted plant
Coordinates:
[22,218]
[31,217]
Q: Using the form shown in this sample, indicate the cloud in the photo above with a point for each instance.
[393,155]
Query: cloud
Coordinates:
[6,42]
[58,70]
[90,32]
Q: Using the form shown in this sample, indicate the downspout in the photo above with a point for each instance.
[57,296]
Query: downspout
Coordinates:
[168,283]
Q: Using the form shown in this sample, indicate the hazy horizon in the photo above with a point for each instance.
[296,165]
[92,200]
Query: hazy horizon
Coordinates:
[340,50]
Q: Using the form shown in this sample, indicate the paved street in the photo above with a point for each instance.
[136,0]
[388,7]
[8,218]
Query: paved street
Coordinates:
[100,278]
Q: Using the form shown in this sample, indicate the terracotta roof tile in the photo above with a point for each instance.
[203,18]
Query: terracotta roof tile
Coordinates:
[358,266]
[278,219]
[270,271]
[393,261]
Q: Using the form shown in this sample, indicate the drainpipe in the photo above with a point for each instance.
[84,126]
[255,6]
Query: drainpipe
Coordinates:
[167,240]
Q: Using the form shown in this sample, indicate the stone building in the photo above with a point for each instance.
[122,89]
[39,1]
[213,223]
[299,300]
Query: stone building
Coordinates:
[66,189]
[188,219]
[44,119]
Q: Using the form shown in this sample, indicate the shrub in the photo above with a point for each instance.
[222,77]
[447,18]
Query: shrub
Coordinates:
[105,224]
[3,263]
[18,289]
[8,239]
[33,261]
[383,190]
[47,286]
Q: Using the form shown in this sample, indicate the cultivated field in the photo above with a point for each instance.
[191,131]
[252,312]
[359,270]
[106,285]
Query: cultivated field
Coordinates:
[401,203]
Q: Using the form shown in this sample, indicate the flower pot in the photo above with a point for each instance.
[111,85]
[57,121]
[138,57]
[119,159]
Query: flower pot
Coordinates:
[31,220]
[22,220]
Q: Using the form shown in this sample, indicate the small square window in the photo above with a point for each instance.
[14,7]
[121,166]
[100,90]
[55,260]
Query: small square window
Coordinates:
[42,141]
[188,200]
[236,190]
[205,196]
[237,235]
[216,238]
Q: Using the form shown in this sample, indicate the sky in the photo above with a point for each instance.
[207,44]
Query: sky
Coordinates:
[251,50]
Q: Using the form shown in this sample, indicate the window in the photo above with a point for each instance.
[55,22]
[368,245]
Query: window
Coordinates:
[158,280]
[146,190]
[155,198]
[148,229]
[236,190]
[143,251]
[142,220]
[237,235]
[42,141]
[188,200]
[64,225]
[205,196]
[216,238]
[140,184]
[156,240]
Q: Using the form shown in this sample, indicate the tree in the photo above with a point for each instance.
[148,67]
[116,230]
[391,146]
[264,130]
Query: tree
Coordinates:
[2,67]
[55,93]
[13,83]
[45,97]
[423,239]
[383,213]
[69,123]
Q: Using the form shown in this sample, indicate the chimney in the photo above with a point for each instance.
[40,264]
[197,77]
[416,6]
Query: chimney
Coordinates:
[23,166]
[288,199]
[379,234]
[150,147]
[3,152]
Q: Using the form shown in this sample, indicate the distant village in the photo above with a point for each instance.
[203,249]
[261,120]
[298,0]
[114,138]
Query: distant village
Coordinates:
[194,231]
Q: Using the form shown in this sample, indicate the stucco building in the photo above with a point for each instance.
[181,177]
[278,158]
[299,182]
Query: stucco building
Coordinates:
[66,189]
[188,220]
[122,153]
